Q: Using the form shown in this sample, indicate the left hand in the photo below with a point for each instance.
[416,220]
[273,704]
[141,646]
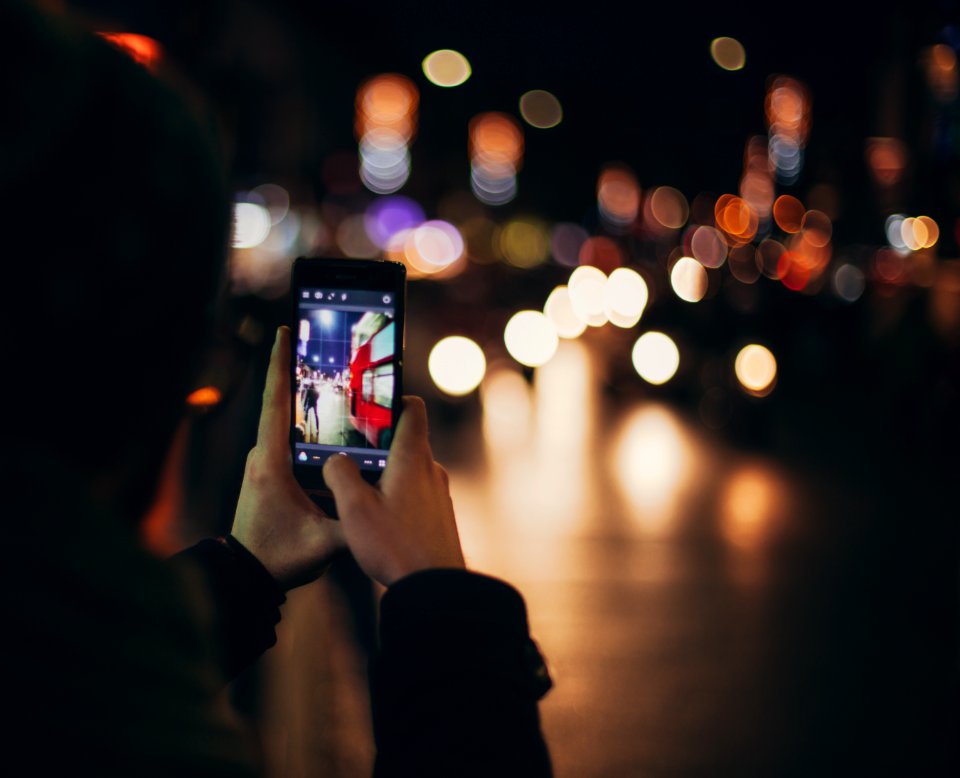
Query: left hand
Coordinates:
[275,520]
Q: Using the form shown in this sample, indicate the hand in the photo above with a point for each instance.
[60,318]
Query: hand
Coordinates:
[275,519]
[406,522]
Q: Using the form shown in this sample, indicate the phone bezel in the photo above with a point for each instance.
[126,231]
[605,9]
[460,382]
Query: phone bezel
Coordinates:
[323,272]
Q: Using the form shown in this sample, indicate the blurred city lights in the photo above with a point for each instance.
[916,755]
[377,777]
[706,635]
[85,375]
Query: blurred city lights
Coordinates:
[768,257]
[848,283]
[618,195]
[507,408]
[204,397]
[748,506]
[625,295]
[788,213]
[742,262]
[601,252]
[787,108]
[565,242]
[756,185]
[652,461]
[276,199]
[894,232]
[559,309]
[586,288]
[387,216]
[669,207]
[433,246]
[816,228]
[918,233]
[689,280]
[655,357]
[708,246]
[941,67]
[887,158]
[446,68]
[756,369]
[386,121]
[146,51]
[496,151]
[524,243]
[352,239]
[728,53]
[737,218]
[457,365]
[251,224]
[540,109]
[531,338]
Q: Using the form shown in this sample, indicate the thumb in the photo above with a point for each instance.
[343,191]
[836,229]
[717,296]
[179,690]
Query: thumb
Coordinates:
[351,492]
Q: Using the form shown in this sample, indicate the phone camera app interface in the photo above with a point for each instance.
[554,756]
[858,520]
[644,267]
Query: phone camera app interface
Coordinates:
[344,388]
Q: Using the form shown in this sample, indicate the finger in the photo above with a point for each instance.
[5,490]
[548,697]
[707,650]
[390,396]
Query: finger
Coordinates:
[352,494]
[412,433]
[273,435]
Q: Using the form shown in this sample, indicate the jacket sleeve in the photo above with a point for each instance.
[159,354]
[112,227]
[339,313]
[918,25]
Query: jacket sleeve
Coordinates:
[244,600]
[457,679]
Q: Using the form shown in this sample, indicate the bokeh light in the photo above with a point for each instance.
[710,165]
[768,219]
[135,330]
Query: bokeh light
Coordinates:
[625,296]
[530,338]
[387,101]
[251,225]
[387,216]
[433,246]
[756,369]
[586,288]
[446,68]
[708,246]
[669,207]
[601,252]
[524,243]
[728,53]
[887,159]
[848,283]
[618,195]
[352,239]
[689,280]
[204,397]
[457,365]
[655,357]
[788,213]
[540,109]
[146,51]
[565,242]
[559,309]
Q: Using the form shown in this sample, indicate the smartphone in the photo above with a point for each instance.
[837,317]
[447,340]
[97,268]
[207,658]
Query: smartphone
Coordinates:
[346,366]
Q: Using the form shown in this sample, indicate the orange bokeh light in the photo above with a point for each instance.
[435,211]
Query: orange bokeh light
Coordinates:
[204,397]
[736,217]
[496,140]
[388,101]
[142,49]
[618,194]
[788,213]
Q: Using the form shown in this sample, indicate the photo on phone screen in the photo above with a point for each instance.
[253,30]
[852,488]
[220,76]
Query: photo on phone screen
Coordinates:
[344,375]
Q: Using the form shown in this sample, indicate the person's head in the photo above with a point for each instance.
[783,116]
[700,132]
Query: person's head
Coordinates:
[115,221]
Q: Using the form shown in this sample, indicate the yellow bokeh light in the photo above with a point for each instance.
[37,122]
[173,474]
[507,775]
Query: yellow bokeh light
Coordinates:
[433,246]
[457,365]
[524,243]
[625,295]
[728,53]
[559,309]
[541,109]
[446,67]
[530,338]
[689,280]
[756,369]
[656,357]
[586,286]
[932,231]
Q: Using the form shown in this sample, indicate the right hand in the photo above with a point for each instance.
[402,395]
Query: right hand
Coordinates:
[405,523]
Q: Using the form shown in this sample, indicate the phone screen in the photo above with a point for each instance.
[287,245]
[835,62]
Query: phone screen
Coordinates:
[346,363]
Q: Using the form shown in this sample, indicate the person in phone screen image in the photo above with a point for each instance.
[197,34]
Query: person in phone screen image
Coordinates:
[117,658]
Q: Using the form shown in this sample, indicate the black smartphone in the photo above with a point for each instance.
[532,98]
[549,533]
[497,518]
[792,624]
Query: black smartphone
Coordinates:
[346,366]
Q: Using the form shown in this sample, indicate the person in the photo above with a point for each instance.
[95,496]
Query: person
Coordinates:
[116,660]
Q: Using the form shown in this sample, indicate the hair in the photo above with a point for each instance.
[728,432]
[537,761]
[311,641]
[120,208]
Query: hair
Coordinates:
[114,218]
